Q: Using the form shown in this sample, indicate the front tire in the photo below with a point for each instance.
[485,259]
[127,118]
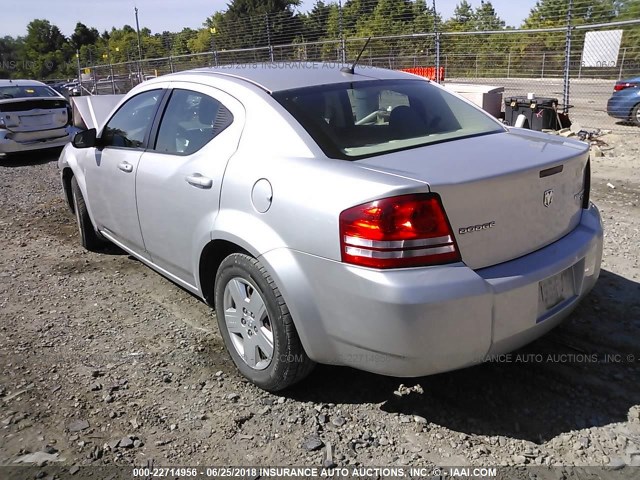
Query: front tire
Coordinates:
[88,236]
[635,115]
[256,325]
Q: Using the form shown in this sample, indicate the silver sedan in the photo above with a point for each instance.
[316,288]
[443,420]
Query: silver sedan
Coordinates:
[366,218]
[33,116]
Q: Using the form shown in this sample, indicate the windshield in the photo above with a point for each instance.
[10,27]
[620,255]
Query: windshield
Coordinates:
[362,119]
[27,91]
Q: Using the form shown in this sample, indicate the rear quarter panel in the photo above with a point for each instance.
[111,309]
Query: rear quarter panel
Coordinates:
[309,189]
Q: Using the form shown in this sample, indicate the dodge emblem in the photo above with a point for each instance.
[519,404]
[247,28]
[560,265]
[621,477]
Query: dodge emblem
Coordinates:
[547,198]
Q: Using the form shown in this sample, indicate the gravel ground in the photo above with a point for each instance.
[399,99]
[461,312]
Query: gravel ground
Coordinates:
[103,361]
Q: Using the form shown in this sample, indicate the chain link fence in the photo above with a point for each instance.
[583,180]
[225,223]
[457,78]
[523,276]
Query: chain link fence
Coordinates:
[547,62]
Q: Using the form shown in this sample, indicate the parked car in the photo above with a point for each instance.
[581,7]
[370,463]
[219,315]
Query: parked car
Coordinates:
[625,101]
[107,87]
[73,88]
[324,229]
[33,116]
[59,87]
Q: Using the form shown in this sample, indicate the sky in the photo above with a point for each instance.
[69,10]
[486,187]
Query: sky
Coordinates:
[173,15]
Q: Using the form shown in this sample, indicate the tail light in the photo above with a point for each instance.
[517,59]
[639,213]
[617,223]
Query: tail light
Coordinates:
[623,85]
[586,186]
[396,232]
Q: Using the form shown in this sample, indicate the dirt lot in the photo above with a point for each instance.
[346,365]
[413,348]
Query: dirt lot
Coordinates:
[102,361]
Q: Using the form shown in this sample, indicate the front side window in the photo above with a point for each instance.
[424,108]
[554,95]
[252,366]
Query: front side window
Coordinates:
[362,119]
[131,123]
[190,121]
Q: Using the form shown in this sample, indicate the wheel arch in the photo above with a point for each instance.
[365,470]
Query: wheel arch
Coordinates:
[218,249]
[211,257]
[67,175]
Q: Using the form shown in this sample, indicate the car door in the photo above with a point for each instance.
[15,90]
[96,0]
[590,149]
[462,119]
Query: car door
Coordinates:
[110,170]
[179,178]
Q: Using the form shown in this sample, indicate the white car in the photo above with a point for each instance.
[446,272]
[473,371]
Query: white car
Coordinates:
[366,218]
[33,116]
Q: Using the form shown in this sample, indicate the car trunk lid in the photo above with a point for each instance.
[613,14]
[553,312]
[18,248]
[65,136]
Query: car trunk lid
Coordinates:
[506,194]
[33,114]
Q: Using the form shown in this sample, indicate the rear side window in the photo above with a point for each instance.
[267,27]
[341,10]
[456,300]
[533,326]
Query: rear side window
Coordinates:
[363,119]
[190,121]
[130,124]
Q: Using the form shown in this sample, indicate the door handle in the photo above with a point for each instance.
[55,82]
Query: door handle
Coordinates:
[199,181]
[125,167]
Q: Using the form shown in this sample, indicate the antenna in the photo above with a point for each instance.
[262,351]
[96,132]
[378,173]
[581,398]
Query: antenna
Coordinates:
[351,69]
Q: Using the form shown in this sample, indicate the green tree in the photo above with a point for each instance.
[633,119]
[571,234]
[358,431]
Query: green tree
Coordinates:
[315,23]
[10,55]
[630,10]
[200,42]
[423,20]
[485,17]
[389,17]
[46,53]
[121,44]
[252,23]
[43,37]
[462,19]
[83,35]
[180,43]
[553,13]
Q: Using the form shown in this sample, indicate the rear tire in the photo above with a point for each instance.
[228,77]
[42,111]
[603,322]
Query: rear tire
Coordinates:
[89,238]
[256,325]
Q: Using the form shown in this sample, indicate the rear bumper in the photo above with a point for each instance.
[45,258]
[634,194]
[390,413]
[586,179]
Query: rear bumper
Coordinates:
[16,142]
[423,321]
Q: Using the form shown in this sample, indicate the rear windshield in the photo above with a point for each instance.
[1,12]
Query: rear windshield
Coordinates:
[26,91]
[363,119]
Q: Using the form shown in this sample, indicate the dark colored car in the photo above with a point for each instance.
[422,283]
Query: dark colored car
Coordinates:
[625,101]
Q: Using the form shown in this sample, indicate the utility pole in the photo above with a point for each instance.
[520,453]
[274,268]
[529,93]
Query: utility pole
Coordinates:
[213,32]
[342,42]
[92,72]
[113,83]
[139,46]
[266,16]
[567,60]
[79,70]
[108,57]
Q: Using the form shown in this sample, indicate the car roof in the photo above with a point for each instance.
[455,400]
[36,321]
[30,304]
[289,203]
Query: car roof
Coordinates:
[278,76]
[21,83]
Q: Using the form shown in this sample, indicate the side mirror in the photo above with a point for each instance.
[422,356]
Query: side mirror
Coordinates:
[85,139]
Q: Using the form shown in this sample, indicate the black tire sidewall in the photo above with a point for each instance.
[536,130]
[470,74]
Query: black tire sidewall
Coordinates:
[88,236]
[635,113]
[76,208]
[245,267]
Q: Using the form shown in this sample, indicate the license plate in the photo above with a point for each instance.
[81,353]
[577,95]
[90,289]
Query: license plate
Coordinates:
[35,120]
[555,290]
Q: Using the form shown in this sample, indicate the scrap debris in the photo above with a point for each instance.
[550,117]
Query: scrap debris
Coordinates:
[598,146]
[402,390]
[587,135]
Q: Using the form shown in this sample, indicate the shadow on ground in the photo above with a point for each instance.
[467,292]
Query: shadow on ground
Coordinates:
[582,374]
[626,123]
[25,159]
